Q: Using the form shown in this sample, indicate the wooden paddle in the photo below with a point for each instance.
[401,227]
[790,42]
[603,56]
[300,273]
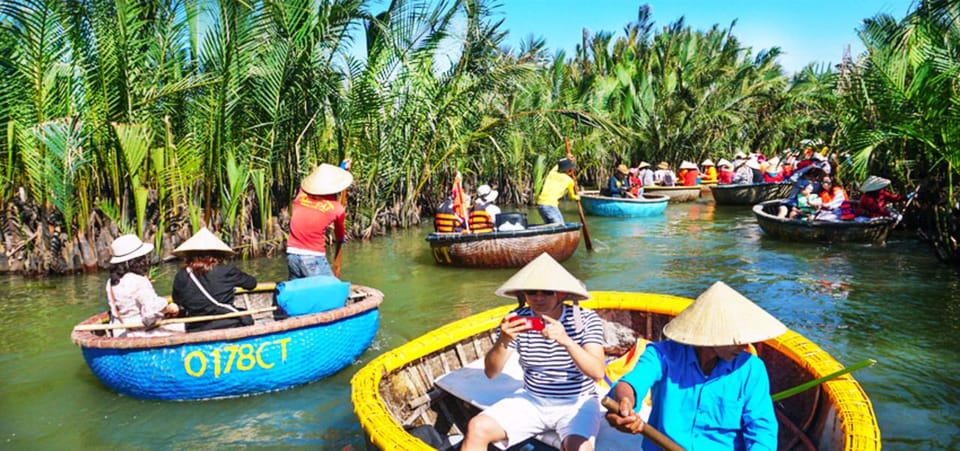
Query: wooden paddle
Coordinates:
[586,233]
[345,164]
[909,201]
[189,319]
[649,432]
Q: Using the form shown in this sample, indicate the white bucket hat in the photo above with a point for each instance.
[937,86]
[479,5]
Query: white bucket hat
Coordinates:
[486,194]
[128,247]
[544,273]
[874,183]
[203,241]
[723,317]
[326,179]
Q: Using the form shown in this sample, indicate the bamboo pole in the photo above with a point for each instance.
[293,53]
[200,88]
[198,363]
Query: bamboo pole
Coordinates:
[189,319]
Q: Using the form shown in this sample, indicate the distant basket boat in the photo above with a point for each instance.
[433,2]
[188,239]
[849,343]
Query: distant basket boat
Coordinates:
[267,356]
[597,205]
[678,193]
[874,231]
[399,392]
[505,249]
[750,194]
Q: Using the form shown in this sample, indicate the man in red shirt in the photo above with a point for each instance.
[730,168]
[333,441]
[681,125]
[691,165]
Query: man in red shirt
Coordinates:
[314,209]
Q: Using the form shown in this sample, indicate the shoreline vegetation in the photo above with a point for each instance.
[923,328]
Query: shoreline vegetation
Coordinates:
[157,117]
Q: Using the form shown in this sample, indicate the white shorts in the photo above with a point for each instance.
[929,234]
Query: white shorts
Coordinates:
[525,415]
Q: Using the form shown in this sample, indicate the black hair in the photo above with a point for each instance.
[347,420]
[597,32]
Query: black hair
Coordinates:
[139,265]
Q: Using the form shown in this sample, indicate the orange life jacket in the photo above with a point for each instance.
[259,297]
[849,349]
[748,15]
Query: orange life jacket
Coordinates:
[481,221]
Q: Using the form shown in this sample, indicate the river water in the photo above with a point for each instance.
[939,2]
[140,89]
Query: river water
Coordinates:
[893,303]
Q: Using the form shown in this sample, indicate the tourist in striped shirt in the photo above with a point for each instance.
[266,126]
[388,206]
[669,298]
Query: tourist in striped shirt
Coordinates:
[560,348]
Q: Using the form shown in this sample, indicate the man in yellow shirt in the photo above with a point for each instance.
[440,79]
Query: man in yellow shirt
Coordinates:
[558,182]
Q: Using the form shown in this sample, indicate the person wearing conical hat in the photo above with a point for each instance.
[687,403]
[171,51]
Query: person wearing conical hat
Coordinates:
[664,176]
[725,173]
[205,285]
[618,185]
[709,171]
[708,392]
[560,181]
[873,202]
[130,294]
[772,171]
[645,174]
[314,209]
[560,361]
[689,173]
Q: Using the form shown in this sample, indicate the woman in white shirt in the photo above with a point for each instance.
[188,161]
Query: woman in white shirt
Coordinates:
[131,295]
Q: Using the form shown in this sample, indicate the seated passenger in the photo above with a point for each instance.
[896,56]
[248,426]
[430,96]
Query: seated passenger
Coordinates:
[130,294]
[691,175]
[873,201]
[707,391]
[664,176]
[745,173]
[709,171]
[807,204]
[618,185]
[483,215]
[772,172]
[833,200]
[645,174]
[205,286]
[725,175]
[561,354]
[446,220]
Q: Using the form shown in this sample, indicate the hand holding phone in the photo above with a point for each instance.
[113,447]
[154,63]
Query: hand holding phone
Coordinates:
[534,322]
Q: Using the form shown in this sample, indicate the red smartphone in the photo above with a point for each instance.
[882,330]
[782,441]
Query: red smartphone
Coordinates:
[535,322]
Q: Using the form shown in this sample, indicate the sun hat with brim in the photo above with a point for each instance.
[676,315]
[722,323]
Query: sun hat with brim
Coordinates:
[688,165]
[486,194]
[739,154]
[326,179]
[707,162]
[643,164]
[874,183]
[128,247]
[753,164]
[663,165]
[723,317]
[724,162]
[623,169]
[543,273]
[204,241]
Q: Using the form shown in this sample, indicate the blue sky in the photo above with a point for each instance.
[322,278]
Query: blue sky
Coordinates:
[805,30]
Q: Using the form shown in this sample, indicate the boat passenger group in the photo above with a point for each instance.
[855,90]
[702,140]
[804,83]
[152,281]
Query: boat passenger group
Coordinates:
[707,387]
[205,285]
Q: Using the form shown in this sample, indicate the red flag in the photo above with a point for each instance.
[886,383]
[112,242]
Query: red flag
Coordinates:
[459,206]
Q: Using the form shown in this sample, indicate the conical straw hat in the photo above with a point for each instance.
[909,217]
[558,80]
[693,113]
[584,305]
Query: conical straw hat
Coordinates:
[326,179]
[202,241]
[544,273]
[723,317]
[874,183]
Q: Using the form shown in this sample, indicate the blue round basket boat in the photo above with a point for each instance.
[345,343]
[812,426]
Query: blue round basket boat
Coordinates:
[597,205]
[267,356]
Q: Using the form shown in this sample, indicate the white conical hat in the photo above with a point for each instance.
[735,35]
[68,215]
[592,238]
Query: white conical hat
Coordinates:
[687,165]
[874,183]
[723,317]
[544,273]
[202,241]
[707,162]
[326,179]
